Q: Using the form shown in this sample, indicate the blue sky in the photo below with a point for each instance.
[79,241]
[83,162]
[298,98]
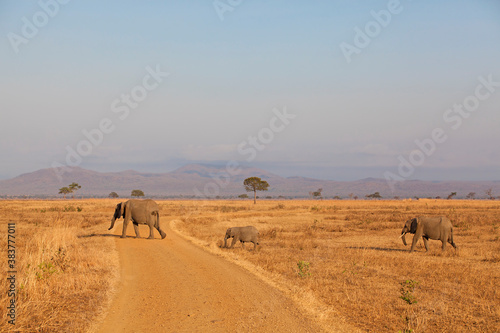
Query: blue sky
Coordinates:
[354,117]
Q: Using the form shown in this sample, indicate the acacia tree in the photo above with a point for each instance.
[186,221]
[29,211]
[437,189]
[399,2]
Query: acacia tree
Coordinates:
[64,191]
[255,184]
[317,194]
[137,193]
[74,187]
[375,195]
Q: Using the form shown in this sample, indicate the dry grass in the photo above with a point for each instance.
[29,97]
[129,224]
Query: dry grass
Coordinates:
[357,261]
[65,270]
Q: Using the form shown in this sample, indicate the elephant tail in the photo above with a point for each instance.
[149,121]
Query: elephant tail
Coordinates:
[157,225]
[157,221]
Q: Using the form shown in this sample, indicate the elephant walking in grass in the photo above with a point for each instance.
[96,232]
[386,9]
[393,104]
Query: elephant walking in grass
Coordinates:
[139,212]
[429,227]
[242,234]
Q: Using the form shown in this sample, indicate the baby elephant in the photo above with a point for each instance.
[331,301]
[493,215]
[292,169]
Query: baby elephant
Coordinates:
[435,227]
[242,234]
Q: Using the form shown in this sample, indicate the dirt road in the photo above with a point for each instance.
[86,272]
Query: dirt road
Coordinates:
[173,286]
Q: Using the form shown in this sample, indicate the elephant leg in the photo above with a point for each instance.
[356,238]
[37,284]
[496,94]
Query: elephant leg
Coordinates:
[235,239]
[125,224]
[162,233]
[254,245]
[242,244]
[151,235]
[443,246]
[418,234]
[414,243]
[157,226]
[136,229]
[450,240]
[425,243]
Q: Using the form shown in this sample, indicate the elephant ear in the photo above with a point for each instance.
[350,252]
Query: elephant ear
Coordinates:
[413,226]
[122,209]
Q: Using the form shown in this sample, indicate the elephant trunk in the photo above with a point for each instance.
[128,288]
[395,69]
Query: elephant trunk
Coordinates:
[112,223]
[225,241]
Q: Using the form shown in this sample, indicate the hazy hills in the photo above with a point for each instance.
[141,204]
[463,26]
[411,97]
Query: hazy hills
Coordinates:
[210,181]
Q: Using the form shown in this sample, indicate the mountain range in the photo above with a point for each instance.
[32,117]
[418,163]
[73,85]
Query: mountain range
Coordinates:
[202,180]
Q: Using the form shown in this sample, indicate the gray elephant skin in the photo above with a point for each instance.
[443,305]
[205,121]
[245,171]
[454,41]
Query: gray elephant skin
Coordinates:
[429,227]
[139,212]
[242,234]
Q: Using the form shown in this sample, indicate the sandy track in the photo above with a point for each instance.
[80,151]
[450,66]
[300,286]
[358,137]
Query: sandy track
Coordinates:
[173,286]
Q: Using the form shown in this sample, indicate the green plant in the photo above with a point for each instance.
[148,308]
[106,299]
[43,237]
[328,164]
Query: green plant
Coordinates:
[303,267]
[407,289]
[46,270]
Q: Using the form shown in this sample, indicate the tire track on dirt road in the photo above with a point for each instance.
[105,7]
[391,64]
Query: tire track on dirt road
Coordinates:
[172,285]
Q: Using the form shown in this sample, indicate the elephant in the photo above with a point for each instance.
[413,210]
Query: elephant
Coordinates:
[242,234]
[140,212]
[433,227]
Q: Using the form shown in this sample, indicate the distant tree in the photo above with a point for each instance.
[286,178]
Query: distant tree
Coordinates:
[438,197]
[113,195]
[375,195]
[268,197]
[489,193]
[337,197]
[243,196]
[452,194]
[396,197]
[137,193]
[64,191]
[471,195]
[355,197]
[73,187]
[317,194]
[255,184]
[351,195]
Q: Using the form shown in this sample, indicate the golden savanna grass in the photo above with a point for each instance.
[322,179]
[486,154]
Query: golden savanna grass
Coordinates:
[65,269]
[353,261]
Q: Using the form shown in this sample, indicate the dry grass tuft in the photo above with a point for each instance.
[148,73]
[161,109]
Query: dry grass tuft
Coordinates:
[65,269]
